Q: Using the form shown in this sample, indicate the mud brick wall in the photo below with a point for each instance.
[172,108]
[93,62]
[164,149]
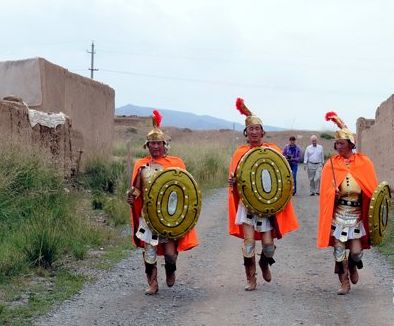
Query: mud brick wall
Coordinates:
[375,137]
[47,87]
[56,143]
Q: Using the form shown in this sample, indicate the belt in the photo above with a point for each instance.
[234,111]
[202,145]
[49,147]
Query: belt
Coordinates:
[348,202]
[314,163]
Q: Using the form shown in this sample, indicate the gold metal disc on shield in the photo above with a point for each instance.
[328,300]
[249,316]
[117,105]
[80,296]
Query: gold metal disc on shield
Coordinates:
[172,203]
[264,181]
[379,212]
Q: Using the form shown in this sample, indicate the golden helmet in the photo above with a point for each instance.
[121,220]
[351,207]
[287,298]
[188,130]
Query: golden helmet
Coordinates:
[344,132]
[251,119]
[156,134]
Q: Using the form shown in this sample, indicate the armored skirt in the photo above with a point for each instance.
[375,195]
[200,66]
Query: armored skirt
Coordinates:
[347,217]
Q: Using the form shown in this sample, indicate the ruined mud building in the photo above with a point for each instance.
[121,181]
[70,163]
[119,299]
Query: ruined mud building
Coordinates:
[36,84]
[375,137]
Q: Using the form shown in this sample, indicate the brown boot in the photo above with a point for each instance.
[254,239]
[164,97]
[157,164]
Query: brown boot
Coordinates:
[353,266]
[264,263]
[250,271]
[151,275]
[344,279]
[170,267]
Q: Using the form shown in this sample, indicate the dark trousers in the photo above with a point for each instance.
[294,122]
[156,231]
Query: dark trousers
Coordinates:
[294,169]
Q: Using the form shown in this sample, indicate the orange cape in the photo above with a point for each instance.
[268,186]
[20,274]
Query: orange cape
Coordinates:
[189,240]
[363,171]
[285,221]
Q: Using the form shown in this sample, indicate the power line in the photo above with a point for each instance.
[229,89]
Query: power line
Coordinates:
[236,84]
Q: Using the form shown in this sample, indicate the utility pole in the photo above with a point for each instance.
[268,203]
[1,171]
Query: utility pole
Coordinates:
[92,52]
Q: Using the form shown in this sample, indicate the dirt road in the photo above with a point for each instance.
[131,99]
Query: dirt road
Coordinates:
[210,281]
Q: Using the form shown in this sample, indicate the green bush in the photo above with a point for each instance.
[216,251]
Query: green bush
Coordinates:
[132,130]
[326,135]
[109,182]
[42,241]
[38,220]
[101,175]
[118,211]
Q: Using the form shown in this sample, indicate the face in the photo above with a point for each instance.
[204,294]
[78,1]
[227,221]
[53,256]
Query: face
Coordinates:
[292,141]
[156,149]
[255,134]
[314,141]
[343,147]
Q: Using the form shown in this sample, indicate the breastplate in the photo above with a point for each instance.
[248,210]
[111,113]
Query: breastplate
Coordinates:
[349,189]
[149,171]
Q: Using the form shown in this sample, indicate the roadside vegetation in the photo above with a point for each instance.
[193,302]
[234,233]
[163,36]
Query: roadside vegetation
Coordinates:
[48,225]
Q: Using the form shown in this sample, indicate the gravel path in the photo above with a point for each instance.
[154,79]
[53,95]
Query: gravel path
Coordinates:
[210,281]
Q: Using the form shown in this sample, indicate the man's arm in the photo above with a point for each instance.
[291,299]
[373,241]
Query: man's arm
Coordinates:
[306,155]
[297,159]
[322,154]
[135,190]
[284,151]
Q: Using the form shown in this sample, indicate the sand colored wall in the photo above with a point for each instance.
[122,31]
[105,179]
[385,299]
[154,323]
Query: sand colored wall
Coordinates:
[15,129]
[375,138]
[89,104]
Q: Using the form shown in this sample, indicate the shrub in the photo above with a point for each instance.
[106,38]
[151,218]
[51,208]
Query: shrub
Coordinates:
[118,211]
[41,245]
[38,220]
[326,135]
[101,175]
[132,130]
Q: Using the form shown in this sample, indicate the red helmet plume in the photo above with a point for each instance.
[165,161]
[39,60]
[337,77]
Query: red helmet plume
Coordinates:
[332,116]
[156,118]
[241,107]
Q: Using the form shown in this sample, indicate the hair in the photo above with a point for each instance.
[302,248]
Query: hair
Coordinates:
[292,138]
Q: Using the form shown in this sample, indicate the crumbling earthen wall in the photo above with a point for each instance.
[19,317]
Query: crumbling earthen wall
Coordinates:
[376,139]
[89,104]
[55,142]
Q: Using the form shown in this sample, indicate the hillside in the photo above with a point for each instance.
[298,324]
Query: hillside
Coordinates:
[185,119]
[136,128]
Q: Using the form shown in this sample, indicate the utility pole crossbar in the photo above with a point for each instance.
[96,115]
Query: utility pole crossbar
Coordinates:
[92,69]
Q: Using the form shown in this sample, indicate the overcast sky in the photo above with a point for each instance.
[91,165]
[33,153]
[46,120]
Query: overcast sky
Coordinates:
[291,60]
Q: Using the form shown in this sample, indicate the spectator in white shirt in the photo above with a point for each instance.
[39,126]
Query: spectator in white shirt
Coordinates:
[314,159]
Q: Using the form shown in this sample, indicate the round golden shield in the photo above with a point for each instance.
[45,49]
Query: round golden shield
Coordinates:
[379,212]
[172,203]
[264,181]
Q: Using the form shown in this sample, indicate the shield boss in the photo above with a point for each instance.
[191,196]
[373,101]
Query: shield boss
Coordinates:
[264,181]
[172,203]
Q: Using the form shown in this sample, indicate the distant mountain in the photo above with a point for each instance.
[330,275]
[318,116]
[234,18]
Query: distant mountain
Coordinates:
[185,119]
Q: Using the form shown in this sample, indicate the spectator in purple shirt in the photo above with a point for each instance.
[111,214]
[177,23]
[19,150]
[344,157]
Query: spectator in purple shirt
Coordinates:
[293,155]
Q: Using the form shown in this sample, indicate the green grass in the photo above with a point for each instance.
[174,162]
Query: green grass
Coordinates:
[18,306]
[386,248]
[39,223]
[210,167]
[47,228]
[114,253]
